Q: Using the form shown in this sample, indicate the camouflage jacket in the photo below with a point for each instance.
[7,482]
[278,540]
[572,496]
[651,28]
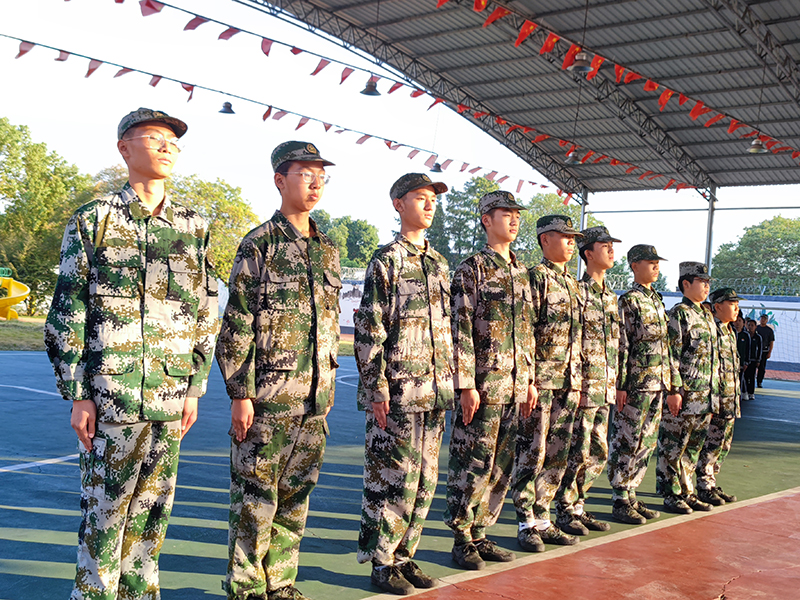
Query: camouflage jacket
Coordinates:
[403,342]
[134,313]
[600,342]
[693,344]
[645,363]
[729,389]
[280,332]
[492,328]
[557,327]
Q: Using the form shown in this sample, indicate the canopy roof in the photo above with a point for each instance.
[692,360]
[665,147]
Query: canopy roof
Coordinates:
[738,58]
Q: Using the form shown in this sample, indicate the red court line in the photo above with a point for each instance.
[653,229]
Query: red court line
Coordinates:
[745,552]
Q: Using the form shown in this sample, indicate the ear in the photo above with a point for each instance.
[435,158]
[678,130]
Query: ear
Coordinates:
[122,146]
[398,204]
[279,180]
[486,219]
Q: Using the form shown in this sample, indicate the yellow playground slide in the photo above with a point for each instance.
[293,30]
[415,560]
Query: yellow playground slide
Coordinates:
[17,292]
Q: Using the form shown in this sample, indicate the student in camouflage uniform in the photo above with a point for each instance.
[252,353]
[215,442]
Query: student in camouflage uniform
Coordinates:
[725,304]
[130,334]
[277,352]
[693,344]
[404,352]
[589,447]
[645,377]
[544,438]
[492,330]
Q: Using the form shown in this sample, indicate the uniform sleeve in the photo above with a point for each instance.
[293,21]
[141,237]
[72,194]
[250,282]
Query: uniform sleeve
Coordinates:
[463,300]
[236,347]
[372,324]
[538,311]
[625,324]
[206,328]
[65,328]
[677,335]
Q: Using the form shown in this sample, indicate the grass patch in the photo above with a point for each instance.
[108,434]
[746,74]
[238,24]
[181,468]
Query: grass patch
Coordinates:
[346,348]
[24,334]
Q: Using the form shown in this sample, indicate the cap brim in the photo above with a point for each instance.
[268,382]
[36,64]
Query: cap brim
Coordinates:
[178,127]
[438,187]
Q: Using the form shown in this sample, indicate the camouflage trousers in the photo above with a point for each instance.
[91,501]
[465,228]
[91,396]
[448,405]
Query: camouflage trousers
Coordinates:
[273,471]
[401,470]
[718,444]
[127,488]
[588,454]
[481,461]
[680,440]
[541,456]
[633,434]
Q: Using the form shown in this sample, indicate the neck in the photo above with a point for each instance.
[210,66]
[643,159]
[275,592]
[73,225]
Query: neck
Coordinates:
[415,236]
[150,192]
[646,284]
[561,265]
[595,272]
[502,248]
[299,219]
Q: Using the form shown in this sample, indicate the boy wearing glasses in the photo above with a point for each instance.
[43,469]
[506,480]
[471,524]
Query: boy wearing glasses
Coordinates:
[277,352]
[130,334]
[404,352]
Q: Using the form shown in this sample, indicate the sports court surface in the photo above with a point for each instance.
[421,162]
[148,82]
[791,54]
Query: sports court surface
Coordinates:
[749,549]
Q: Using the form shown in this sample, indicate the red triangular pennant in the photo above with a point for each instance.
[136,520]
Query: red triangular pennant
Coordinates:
[650,86]
[540,138]
[93,66]
[195,23]
[464,167]
[597,62]
[327,126]
[734,125]
[588,156]
[294,50]
[396,86]
[519,186]
[150,7]
[279,115]
[323,62]
[62,56]
[599,158]
[569,57]
[698,110]
[24,48]
[502,179]
[645,174]
[363,138]
[266,45]
[301,122]
[431,161]
[480,5]
[714,119]
[417,93]
[549,43]
[435,102]
[345,74]
[123,71]
[475,170]
[682,99]
[664,98]
[441,3]
[631,76]
[267,113]
[669,183]
[528,27]
[189,88]
[154,81]
[490,176]
[413,153]
[619,71]
[497,13]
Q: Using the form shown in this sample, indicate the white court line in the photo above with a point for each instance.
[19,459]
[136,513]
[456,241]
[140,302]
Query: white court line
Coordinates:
[38,463]
[27,389]
[775,420]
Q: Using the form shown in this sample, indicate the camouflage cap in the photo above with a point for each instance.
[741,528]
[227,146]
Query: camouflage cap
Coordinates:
[643,252]
[498,199]
[723,294]
[293,150]
[414,181]
[557,223]
[596,234]
[691,268]
[146,115]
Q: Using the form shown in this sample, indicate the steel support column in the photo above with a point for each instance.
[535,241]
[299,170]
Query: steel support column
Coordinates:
[584,204]
[712,199]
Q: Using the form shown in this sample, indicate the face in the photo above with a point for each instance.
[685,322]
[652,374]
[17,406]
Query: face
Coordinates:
[738,324]
[297,195]
[417,208]
[601,254]
[763,319]
[751,326]
[145,162]
[727,311]
[697,291]
[502,224]
[558,247]
[645,271]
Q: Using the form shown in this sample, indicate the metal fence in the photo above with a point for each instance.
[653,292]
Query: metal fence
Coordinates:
[761,286]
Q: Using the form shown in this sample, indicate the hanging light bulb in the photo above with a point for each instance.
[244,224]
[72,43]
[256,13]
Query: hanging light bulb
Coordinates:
[582,63]
[572,158]
[227,109]
[437,168]
[371,89]
[757,147]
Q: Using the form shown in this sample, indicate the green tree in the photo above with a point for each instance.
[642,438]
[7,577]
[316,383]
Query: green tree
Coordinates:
[767,251]
[230,217]
[356,239]
[38,192]
[322,219]
[620,275]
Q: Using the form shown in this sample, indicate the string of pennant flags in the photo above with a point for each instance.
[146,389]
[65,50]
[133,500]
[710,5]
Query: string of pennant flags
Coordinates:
[151,7]
[276,113]
[624,76]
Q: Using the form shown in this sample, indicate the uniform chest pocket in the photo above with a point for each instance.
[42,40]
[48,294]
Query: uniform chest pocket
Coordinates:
[281,294]
[412,301]
[493,302]
[332,287]
[652,328]
[116,272]
[558,306]
[185,277]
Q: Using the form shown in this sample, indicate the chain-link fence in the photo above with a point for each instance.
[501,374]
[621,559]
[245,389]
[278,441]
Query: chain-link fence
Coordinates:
[761,286]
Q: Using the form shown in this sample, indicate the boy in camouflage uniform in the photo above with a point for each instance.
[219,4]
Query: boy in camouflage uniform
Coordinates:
[492,330]
[277,352]
[404,352]
[544,438]
[646,375]
[725,304]
[589,447]
[130,334]
[693,344]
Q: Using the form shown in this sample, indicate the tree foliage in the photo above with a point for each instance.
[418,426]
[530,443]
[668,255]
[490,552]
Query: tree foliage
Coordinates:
[356,239]
[767,251]
[458,233]
[620,276]
[39,191]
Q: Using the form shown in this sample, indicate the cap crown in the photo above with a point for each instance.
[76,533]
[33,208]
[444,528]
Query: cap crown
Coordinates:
[143,115]
[596,234]
[294,150]
[723,294]
[643,252]
[498,199]
[691,268]
[414,181]
[558,223]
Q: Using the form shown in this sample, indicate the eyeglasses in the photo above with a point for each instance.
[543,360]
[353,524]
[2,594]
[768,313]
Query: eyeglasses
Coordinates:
[157,142]
[310,177]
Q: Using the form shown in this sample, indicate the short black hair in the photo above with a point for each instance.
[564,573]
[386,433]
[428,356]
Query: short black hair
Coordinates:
[491,216]
[284,168]
[685,279]
[582,251]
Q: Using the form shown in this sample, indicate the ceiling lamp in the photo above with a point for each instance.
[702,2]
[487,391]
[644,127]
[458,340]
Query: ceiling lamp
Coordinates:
[436,168]
[582,63]
[371,89]
[227,109]
[572,158]
[757,147]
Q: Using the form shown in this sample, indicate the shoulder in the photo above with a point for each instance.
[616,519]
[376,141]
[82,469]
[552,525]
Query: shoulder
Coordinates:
[189,218]
[99,205]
